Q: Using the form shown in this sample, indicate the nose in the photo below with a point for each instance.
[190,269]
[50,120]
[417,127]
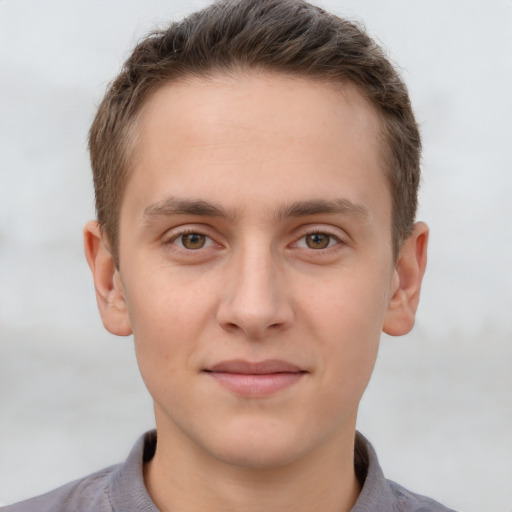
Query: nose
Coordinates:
[255,300]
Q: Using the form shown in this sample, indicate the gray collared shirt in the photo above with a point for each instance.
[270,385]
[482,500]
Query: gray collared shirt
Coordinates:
[121,488]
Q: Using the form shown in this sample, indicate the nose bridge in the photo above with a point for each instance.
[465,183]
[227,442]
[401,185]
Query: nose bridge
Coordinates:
[255,299]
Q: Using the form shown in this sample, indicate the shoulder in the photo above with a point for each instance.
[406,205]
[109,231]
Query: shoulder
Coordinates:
[120,488]
[379,494]
[407,501]
[87,494]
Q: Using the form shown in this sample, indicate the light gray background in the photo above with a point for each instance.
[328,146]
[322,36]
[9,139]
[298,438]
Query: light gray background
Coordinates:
[439,407]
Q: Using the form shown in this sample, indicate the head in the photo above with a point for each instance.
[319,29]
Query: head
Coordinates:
[256,168]
[288,37]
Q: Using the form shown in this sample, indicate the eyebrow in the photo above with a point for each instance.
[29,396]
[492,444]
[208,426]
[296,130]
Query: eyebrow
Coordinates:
[198,207]
[173,206]
[323,206]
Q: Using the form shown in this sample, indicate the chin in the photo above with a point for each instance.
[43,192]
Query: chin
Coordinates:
[258,447]
[255,456]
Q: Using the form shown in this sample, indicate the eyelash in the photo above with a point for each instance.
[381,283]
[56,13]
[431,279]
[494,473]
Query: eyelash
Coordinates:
[171,240]
[332,237]
[177,236]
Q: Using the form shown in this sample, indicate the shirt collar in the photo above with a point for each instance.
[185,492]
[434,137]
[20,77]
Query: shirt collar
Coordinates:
[376,494]
[128,491]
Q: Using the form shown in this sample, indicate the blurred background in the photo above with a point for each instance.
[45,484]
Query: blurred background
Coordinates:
[439,406]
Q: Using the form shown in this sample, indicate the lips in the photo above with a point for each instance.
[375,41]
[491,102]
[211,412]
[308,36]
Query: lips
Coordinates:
[255,379]
[259,368]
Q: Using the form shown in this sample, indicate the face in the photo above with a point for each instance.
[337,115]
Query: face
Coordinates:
[256,263]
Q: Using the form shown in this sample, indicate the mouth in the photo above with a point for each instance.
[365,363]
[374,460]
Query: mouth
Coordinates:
[255,379]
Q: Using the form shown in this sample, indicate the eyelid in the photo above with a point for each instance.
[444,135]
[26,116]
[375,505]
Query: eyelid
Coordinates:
[208,242]
[332,237]
[324,229]
[175,233]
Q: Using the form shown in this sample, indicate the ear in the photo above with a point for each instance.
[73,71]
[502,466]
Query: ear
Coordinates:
[107,282]
[409,272]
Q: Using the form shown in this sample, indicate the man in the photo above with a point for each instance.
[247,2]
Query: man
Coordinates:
[256,170]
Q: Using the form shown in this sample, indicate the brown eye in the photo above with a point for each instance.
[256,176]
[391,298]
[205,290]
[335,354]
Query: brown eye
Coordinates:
[318,240]
[193,241]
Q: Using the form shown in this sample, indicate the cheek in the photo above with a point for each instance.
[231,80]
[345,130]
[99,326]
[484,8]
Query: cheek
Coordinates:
[349,359]
[347,321]
[163,299]
[350,355]
[349,307]
[165,338]
[167,318]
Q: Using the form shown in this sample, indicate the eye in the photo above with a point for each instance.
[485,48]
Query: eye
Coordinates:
[192,241]
[317,241]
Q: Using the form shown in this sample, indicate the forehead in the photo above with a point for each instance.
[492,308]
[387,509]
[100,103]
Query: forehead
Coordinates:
[258,133]
[252,100]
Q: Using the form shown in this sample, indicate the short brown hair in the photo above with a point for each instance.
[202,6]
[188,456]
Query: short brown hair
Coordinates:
[285,36]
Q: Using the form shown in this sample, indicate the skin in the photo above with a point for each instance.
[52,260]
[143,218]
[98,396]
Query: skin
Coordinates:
[237,185]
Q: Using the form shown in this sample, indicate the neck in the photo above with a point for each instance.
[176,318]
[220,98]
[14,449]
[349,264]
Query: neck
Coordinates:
[180,477]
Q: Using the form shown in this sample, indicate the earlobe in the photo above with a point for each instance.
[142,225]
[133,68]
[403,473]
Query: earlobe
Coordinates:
[107,283]
[409,272]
